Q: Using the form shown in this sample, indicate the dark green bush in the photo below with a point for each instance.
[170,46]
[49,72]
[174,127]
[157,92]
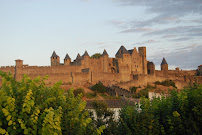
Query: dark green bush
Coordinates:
[178,114]
[99,87]
[79,91]
[133,89]
[31,107]
[166,83]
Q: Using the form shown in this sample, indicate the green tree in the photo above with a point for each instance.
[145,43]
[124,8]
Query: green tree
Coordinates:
[96,55]
[30,107]
[104,116]
[179,113]
[99,87]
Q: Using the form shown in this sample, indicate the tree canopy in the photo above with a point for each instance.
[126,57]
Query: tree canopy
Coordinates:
[96,55]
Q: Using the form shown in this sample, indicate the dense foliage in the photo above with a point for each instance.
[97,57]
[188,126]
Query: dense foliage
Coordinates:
[79,91]
[104,116]
[99,87]
[166,83]
[30,107]
[178,114]
[96,56]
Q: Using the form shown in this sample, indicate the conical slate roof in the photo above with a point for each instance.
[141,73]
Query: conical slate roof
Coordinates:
[104,53]
[150,63]
[78,57]
[122,50]
[54,54]
[67,57]
[164,61]
[130,51]
[85,54]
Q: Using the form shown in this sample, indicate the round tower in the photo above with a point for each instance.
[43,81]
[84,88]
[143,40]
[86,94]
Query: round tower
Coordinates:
[105,57]
[142,52]
[55,59]
[150,68]
[18,68]
[164,67]
[67,60]
[86,59]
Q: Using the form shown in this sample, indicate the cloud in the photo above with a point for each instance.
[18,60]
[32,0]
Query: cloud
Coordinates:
[179,30]
[146,42]
[137,30]
[181,39]
[171,12]
[175,7]
[188,57]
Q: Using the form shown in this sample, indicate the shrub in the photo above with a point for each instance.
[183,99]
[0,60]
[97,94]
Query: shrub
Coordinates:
[166,83]
[99,87]
[30,107]
[133,89]
[91,95]
[104,117]
[96,56]
[79,91]
[179,113]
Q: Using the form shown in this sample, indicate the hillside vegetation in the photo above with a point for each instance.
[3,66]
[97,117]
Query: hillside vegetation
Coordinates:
[31,107]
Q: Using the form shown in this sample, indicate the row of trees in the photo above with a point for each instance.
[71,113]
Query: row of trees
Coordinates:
[31,107]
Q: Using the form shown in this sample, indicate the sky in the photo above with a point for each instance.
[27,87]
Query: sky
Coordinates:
[32,29]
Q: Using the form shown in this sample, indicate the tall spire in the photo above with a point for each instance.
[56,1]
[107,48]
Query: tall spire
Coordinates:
[164,61]
[104,53]
[54,54]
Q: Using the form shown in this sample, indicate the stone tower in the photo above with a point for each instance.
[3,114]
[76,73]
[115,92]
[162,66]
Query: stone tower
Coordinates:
[126,58]
[164,67]
[67,60]
[86,59]
[55,59]
[18,69]
[142,52]
[105,57]
[150,68]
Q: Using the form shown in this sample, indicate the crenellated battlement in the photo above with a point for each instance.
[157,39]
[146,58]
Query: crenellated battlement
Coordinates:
[126,66]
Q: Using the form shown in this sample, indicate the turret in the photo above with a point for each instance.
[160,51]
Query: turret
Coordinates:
[164,67]
[105,57]
[18,68]
[150,68]
[78,58]
[125,59]
[122,52]
[86,59]
[55,59]
[142,53]
[67,60]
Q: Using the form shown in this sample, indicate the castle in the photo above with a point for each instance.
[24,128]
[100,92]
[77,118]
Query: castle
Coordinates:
[128,65]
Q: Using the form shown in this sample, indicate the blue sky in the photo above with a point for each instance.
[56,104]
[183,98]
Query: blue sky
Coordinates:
[32,29]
